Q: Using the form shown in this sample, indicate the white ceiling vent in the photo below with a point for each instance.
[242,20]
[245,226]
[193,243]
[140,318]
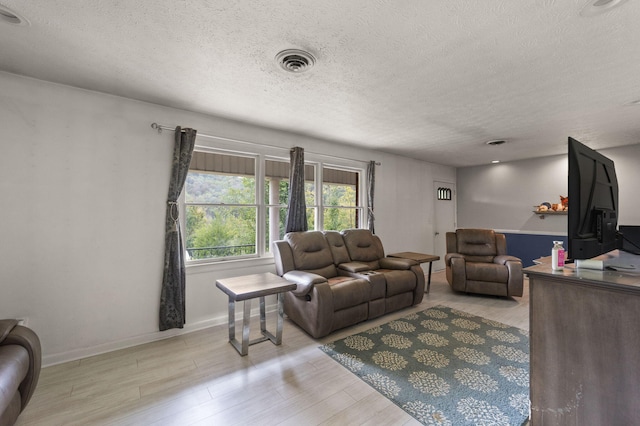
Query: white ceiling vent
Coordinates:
[295,61]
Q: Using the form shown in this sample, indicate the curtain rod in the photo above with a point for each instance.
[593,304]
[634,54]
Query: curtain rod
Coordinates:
[160,128]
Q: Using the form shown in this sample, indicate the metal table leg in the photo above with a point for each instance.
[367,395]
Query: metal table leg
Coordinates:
[280,318]
[241,347]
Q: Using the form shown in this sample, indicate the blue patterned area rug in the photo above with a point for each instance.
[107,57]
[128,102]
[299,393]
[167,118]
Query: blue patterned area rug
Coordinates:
[444,367]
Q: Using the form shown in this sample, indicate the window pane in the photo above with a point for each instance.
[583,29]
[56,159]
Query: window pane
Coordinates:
[219,231]
[311,218]
[276,221]
[340,199]
[339,187]
[276,191]
[277,173]
[279,215]
[310,193]
[337,219]
[338,195]
[276,182]
[221,178]
[212,188]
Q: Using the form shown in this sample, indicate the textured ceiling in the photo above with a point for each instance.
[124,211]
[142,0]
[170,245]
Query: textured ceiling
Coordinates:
[432,80]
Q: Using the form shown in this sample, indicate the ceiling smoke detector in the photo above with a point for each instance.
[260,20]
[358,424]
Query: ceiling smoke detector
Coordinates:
[496,142]
[295,61]
[11,17]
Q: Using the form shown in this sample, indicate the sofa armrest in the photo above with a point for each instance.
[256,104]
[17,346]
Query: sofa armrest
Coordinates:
[448,258]
[503,259]
[304,281]
[456,271]
[12,334]
[6,325]
[354,267]
[396,263]
[515,284]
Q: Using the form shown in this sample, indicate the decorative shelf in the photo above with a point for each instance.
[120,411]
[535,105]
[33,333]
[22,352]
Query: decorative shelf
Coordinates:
[551,213]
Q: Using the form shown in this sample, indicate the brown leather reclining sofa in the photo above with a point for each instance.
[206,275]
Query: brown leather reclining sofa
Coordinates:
[20,360]
[343,278]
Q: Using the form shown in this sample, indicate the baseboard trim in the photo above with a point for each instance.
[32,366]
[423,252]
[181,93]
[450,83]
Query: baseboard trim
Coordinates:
[77,354]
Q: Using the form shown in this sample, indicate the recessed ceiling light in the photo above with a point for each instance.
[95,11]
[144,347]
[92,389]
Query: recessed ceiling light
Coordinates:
[495,161]
[496,142]
[596,7]
[295,61]
[11,17]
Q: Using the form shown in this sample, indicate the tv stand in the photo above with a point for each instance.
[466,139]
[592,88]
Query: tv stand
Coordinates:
[585,345]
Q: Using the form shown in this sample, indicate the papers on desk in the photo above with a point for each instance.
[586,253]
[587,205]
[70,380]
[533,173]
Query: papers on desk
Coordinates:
[615,260]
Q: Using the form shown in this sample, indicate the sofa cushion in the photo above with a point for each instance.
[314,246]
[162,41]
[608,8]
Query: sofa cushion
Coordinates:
[311,252]
[362,245]
[348,292]
[399,281]
[476,242]
[487,272]
[14,366]
[338,247]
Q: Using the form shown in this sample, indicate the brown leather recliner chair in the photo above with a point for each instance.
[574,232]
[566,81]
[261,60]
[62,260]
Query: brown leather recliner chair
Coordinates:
[20,361]
[477,262]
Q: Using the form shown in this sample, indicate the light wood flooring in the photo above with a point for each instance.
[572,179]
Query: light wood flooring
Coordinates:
[199,379]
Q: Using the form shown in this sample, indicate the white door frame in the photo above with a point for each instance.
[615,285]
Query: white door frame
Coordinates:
[445,219]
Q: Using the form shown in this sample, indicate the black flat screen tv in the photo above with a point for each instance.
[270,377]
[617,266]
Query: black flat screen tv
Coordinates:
[593,203]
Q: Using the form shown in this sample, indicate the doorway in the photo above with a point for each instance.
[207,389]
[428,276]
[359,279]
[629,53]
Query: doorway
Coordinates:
[444,194]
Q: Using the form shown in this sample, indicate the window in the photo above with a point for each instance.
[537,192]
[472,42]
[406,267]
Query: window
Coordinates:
[277,198]
[220,206]
[444,194]
[235,204]
[340,199]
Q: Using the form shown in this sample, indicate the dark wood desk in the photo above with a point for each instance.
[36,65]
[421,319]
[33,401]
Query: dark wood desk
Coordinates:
[420,258]
[249,287]
[585,346]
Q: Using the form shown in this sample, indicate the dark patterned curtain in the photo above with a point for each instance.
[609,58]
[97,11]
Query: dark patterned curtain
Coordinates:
[371,183]
[172,298]
[297,212]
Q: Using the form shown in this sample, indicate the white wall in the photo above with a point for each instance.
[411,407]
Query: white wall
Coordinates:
[84,180]
[502,196]
[627,159]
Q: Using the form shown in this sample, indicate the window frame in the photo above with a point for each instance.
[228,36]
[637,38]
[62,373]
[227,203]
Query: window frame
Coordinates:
[360,206]
[258,202]
[262,153]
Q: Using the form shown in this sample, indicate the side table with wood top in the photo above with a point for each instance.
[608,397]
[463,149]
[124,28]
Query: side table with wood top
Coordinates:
[249,287]
[420,258]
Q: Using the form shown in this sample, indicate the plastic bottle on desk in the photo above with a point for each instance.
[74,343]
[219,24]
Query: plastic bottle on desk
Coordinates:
[557,256]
